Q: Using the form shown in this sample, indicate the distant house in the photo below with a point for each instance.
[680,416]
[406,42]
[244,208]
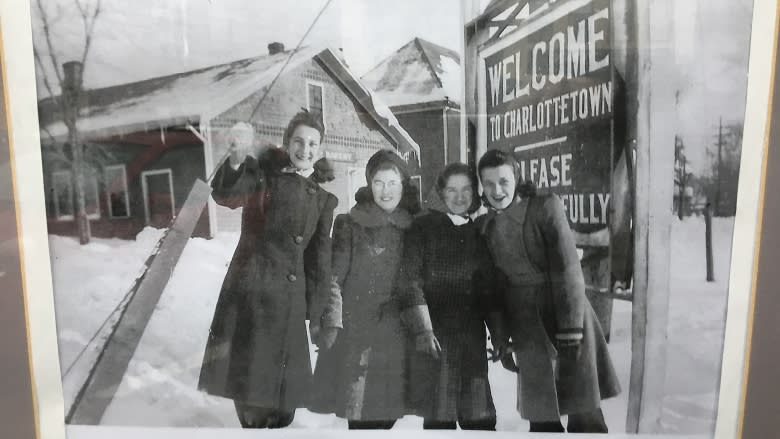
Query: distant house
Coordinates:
[149,141]
[421,82]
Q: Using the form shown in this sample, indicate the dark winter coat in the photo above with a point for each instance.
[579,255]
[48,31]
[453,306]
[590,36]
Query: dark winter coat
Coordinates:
[447,268]
[257,351]
[531,242]
[362,376]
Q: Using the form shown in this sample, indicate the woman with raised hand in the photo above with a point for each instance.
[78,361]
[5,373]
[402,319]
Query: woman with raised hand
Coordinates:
[257,352]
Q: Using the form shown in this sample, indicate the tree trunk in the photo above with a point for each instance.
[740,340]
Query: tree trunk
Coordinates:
[82,222]
[71,93]
[708,242]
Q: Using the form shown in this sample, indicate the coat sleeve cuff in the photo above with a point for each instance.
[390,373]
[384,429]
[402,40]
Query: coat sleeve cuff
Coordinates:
[569,334]
[331,321]
[417,319]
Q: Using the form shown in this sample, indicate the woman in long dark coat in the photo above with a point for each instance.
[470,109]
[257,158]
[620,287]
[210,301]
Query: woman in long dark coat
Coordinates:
[563,360]
[257,352]
[362,377]
[446,287]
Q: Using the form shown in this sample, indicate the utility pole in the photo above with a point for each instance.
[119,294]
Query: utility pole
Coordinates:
[649,64]
[719,167]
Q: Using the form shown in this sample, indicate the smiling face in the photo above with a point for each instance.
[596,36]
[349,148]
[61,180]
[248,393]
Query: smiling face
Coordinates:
[458,194]
[304,147]
[499,186]
[387,188]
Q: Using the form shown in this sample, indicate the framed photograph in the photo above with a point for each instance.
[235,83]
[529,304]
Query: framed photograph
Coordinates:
[332,215]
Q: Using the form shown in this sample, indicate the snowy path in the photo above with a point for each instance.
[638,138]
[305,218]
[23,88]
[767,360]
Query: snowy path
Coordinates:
[159,388]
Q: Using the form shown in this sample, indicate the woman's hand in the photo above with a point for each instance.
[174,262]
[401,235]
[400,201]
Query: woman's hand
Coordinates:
[427,343]
[237,154]
[326,337]
[569,352]
[502,350]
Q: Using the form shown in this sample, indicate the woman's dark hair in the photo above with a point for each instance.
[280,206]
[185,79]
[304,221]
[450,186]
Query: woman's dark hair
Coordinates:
[458,169]
[386,159]
[306,118]
[495,158]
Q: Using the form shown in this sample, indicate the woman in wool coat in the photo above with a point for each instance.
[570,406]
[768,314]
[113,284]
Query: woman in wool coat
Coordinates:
[362,377]
[563,361]
[257,353]
[446,292]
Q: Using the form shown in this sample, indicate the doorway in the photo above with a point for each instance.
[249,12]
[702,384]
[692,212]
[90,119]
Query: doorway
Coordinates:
[159,203]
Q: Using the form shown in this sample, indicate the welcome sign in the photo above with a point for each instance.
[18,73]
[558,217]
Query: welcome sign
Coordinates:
[548,95]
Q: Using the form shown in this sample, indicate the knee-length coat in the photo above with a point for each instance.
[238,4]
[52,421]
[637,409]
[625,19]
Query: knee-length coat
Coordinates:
[362,376]
[532,243]
[447,267]
[257,350]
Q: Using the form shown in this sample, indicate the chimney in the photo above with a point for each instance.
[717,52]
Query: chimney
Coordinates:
[72,71]
[275,47]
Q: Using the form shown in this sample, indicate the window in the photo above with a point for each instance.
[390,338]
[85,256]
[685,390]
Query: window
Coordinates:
[117,197]
[63,195]
[314,99]
[417,181]
[64,191]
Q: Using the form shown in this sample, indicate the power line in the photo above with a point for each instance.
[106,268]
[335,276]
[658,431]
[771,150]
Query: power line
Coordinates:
[289,58]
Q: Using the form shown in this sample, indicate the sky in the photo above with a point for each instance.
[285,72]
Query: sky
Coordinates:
[148,38]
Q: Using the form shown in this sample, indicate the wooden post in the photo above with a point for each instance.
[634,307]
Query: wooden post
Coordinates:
[650,88]
[708,241]
[109,369]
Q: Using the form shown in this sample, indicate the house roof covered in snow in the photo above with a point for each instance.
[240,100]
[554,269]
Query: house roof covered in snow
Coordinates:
[200,95]
[417,73]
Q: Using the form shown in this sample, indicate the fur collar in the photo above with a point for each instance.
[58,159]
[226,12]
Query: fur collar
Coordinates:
[371,215]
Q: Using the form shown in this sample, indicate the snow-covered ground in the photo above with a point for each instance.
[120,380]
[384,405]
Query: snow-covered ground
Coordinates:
[159,388]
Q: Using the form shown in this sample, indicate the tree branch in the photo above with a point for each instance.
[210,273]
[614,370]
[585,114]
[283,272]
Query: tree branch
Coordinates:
[49,44]
[89,26]
[44,76]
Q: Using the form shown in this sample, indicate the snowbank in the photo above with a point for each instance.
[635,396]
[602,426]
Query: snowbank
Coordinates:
[89,283]
[159,388]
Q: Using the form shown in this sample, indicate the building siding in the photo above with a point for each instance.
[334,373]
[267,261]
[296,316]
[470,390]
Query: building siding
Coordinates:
[186,163]
[351,135]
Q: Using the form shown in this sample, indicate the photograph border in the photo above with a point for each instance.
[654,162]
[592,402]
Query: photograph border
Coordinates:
[21,101]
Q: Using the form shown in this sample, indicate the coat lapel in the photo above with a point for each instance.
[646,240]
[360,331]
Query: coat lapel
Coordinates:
[517,211]
[312,206]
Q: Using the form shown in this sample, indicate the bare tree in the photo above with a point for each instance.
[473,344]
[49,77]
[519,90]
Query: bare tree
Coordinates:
[721,182]
[682,176]
[69,78]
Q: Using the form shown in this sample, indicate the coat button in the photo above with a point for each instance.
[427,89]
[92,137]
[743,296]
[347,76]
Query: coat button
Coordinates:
[298,239]
[311,190]
[291,277]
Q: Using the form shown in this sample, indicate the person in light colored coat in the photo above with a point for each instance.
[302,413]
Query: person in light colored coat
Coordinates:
[562,360]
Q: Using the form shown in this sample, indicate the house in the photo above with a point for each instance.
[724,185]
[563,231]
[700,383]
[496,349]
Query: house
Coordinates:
[421,82]
[148,141]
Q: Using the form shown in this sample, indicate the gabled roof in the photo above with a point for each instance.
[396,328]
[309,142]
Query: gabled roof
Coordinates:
[419,72]
[200,95]
[176,99]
